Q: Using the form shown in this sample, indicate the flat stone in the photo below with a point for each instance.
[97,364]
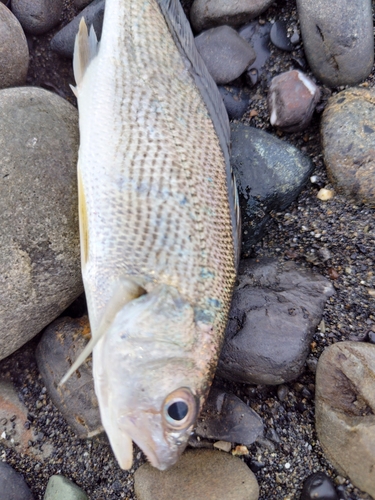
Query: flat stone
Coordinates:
[37,16]
[225,417]
[275,310]
[39,238]
[206,14]
[60,345]
[345,410]
[12,484]
[270,174]
[63,41]
[225,53]
[338,39]
[258,36]
[13,416]
[61,488]
[14,52]
[236,101]
[348,137]
[292,98]
[198,475]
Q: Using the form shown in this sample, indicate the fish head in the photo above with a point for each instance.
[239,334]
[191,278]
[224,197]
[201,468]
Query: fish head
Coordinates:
[152,373]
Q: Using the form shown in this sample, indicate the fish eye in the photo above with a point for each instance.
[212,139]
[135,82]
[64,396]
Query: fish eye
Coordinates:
[180,408]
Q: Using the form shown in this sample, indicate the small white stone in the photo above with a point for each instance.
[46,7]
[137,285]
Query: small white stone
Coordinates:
[325,194]
[223,446]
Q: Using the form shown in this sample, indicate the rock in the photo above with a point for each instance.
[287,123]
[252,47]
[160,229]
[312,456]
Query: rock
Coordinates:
[345,409]
[338,39]
[292,98]
[14,52]
[198,475]
[225,53]
[63,41]
[318,486]
[39,238]
[348,137]
[206,14]
[14,433]
[12,484]
[80,4]
[225,417]
[236,101]
[258,36]
[60,345]
[37,16]
[325,194]
[269,173]
[61,488]
[279,36]
[275,309]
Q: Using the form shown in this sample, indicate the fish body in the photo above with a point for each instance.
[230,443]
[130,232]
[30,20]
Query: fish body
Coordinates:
[157,224]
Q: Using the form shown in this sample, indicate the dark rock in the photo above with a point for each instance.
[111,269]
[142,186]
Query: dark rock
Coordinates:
[348,136]
[198,475]
[338,39]
[318,486]
[206,14]
[292,98]
[279,36]
[270,174]
[275,309]
[258,36]
[37,16]
[225,417]
[60,345]
[12,485]
[236,101]
[371,337]
[345,409]
[63,41]
[225,53]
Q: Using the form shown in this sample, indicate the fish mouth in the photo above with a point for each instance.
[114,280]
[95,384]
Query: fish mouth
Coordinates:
[166,455]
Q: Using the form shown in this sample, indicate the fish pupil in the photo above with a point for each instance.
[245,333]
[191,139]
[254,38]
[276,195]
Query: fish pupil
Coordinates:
[178,410]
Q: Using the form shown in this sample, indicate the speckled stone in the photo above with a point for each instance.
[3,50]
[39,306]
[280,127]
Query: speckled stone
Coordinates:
[206,14]
[338,39]
[61,488]
[348,137]
[37,16]
[198,475]
[14,52]
[40,271]
[345,410]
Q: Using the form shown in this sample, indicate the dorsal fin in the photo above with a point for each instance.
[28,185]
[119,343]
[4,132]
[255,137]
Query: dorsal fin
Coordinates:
[85,49]
[124,291]
[183,37]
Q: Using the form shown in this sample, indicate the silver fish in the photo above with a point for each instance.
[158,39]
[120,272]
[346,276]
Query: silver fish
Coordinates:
[158,224]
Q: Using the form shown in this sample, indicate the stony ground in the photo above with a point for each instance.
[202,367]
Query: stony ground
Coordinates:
[304,233]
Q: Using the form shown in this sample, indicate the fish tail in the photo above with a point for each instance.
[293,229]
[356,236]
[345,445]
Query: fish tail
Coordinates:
[85,50]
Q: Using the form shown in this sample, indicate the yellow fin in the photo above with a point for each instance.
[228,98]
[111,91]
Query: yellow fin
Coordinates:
[124,291]
[85,49]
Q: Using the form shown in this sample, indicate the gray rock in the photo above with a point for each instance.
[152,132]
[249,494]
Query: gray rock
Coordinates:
[345,410]
[318,486]
[348,137]
[206,14]
[275,309]
[279,36]
[292,98]
[12,484]
[37,16]
[270,174]
[258,35]
[225,53]
[80,4]
[236,101]
[198,475]
[225,417]
[39,238]
[338,39]
[60,345]
[14,52]
[63,41]
[61,488]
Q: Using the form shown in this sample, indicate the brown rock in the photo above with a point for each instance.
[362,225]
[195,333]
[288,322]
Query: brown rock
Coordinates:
[199,475]
[345,410]
[348,136]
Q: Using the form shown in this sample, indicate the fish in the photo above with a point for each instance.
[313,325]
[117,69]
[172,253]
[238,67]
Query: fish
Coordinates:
[158,221]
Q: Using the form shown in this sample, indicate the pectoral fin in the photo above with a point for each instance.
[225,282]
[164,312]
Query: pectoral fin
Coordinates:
[124,291]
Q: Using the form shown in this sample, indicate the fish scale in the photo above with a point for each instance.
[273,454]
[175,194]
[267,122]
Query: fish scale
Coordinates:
[157,222]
